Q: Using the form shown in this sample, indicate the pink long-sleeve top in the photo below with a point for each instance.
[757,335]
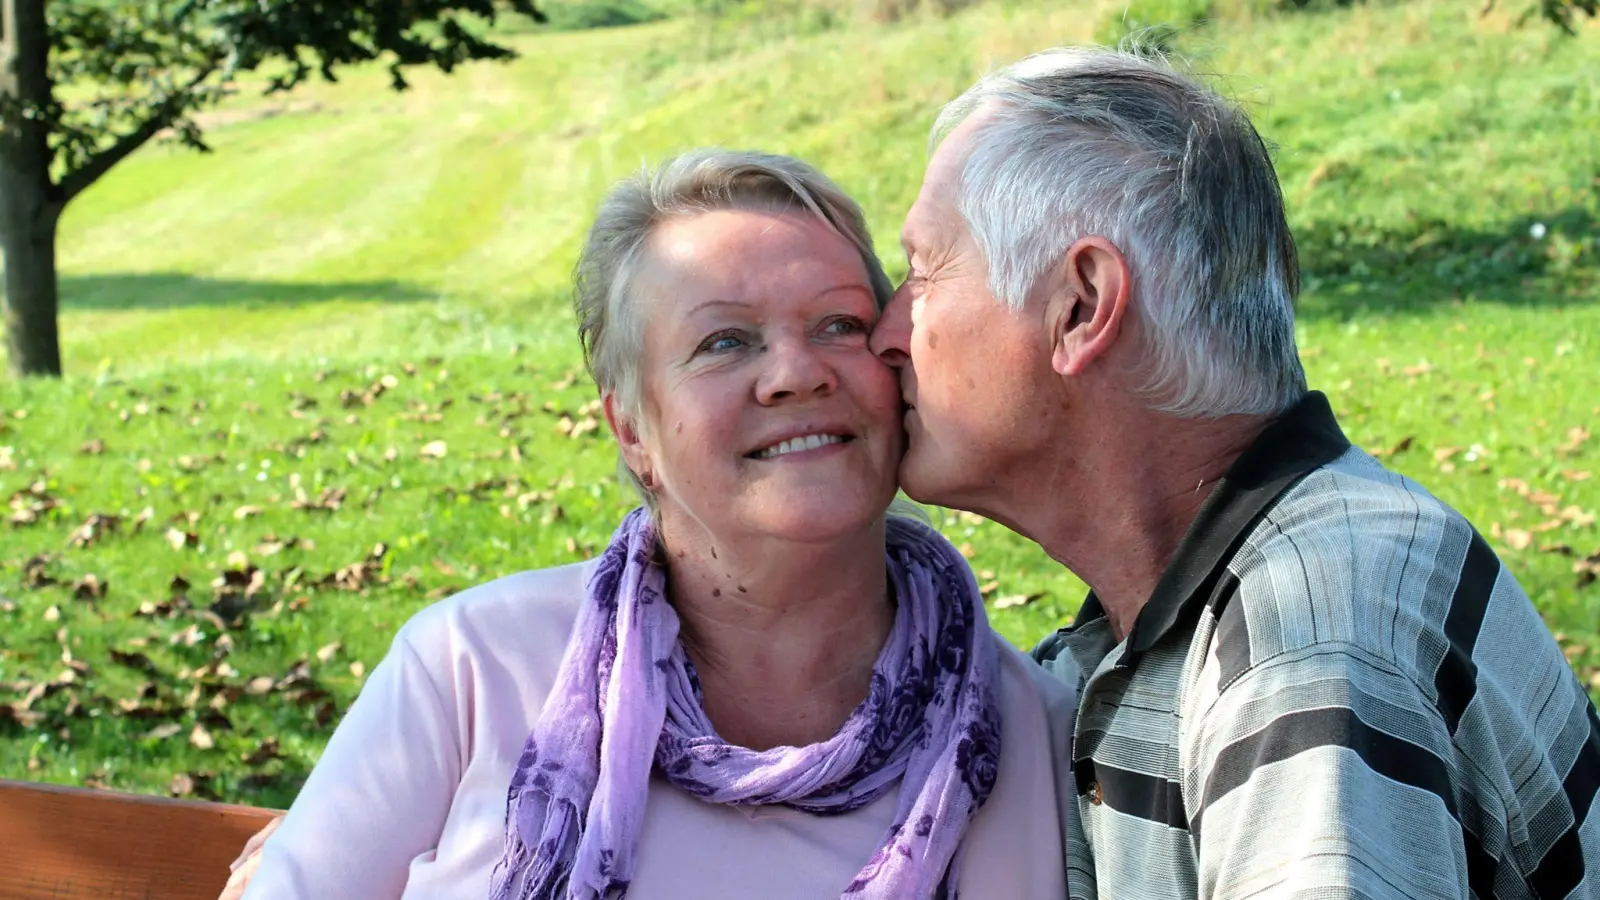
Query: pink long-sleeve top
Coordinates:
[409,798]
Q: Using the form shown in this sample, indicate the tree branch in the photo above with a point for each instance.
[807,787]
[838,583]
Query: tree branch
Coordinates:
[74,182]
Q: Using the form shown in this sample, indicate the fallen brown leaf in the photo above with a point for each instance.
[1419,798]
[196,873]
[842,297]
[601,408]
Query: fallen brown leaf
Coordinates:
[265,752]
[1014,600]
[328,501]
[92,529]
[178,539]
[35,574]
[89,587]
[135,660]
[1577,517]
[201,738]
[22,717]
[1576,438]
[162,732]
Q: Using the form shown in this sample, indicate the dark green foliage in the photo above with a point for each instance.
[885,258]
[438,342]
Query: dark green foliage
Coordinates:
[600,14]
[1563,12]
[156,61]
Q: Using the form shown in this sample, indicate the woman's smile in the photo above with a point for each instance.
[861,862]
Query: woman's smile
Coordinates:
[804,445]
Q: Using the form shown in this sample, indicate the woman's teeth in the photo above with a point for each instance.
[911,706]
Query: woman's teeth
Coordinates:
[795,445]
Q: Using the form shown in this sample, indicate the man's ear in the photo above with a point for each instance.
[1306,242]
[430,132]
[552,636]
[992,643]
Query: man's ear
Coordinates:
[1091,293]
[626,431]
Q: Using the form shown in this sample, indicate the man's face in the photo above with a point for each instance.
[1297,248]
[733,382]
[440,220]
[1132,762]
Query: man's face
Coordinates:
[971,369]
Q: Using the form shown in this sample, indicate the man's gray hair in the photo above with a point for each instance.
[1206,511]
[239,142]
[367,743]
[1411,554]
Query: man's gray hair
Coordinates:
[1074,142]
[610,318]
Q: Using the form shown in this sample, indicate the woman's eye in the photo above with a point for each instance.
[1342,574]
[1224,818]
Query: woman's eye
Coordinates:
[720,342]
[845,325]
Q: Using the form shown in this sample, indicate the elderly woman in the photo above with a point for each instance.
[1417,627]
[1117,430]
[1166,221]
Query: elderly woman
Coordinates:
[767,685]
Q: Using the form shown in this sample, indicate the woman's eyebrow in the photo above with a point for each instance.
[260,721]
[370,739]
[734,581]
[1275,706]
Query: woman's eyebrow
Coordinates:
[707,304]
[852,286]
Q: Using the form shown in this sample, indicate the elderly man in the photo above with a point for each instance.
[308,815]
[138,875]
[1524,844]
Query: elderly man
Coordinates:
[1302,674]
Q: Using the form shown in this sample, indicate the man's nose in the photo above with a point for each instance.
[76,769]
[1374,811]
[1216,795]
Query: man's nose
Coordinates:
[795,369]
[891,338]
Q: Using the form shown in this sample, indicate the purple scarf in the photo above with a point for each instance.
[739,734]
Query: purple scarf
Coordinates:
[626,699]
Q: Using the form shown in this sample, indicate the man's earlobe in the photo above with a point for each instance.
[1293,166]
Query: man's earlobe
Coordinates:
[1095,291]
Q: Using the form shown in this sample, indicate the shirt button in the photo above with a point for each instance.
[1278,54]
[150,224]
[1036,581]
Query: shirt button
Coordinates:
[1097,796]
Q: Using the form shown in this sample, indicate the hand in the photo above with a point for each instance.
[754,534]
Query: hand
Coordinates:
[249,858]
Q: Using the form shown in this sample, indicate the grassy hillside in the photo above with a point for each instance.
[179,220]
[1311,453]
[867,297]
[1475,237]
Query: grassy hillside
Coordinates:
[348,327]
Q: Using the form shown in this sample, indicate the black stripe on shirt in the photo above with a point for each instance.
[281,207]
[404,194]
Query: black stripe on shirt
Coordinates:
[1455,682]
[1148,797]
[1563,865]
[1233,632]
[1294,733]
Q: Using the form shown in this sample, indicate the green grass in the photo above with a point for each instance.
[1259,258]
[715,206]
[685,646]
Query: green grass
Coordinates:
[347,233]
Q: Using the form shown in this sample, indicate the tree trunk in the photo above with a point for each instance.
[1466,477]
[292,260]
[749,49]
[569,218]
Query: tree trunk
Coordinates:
[29,205]
[28,238]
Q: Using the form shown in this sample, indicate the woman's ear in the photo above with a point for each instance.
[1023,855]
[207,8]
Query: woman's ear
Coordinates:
[627,433]
[1094,292]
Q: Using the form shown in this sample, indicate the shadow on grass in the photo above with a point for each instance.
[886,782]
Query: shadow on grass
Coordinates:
[1353,267]
[163,290]
[274,788]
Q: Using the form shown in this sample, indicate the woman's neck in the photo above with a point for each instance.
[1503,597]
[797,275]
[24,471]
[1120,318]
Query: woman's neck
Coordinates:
[783,635]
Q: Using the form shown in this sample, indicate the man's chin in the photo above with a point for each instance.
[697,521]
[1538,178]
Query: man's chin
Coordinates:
[916,482]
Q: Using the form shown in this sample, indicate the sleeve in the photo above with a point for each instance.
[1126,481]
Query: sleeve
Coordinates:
[1323,773]
[378,797]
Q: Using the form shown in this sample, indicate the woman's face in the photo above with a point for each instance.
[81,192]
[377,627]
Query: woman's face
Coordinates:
[764,413]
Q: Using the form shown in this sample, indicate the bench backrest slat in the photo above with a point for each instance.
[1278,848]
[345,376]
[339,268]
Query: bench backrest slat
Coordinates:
[59,843]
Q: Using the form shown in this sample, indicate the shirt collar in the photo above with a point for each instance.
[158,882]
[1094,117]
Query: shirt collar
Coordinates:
[1295,444]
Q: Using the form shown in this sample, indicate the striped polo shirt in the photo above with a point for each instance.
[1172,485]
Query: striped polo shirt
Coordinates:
[1336,690]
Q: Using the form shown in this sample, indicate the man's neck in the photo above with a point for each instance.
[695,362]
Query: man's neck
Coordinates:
[783,638]
[1117,507]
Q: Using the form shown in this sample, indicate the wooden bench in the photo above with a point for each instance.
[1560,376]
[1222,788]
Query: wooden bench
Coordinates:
[61,843]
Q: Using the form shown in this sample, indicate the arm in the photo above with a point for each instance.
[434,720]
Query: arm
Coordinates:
[378,797]
[241,870]
[1324,773]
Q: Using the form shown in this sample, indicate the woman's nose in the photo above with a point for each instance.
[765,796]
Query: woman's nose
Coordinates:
[891,338]
[796,369]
